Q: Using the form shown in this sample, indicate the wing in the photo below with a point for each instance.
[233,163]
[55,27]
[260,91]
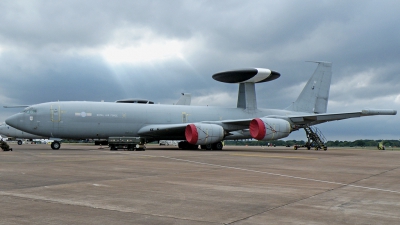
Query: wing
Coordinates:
[312,119]
[236,129]
[327,117]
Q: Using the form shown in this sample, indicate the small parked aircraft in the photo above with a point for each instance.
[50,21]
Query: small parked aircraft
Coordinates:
[18,135]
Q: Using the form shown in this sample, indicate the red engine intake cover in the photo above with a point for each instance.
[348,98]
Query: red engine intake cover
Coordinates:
[257,129]
[191,134]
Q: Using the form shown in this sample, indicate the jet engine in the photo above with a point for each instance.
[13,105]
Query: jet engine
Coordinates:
[203,134]
[269,128]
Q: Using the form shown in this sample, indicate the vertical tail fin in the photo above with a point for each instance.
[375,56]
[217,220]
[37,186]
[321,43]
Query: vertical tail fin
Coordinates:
[185,99]
[314,96]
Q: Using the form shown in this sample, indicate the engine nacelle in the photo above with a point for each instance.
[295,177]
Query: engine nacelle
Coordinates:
[269,128]
[203,134]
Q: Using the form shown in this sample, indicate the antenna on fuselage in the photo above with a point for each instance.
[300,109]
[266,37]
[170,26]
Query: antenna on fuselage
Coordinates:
[15,106]
[247,78]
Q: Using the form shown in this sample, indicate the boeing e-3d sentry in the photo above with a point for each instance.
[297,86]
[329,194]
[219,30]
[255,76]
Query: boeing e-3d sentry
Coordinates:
[196,125]
[18,135]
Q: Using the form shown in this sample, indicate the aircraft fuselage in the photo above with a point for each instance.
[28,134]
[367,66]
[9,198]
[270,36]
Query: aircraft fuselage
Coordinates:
[77,120]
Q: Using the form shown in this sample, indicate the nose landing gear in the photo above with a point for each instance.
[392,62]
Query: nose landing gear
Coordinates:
[55,145]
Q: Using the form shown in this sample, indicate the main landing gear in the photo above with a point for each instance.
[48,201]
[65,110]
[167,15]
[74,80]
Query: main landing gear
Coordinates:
[187,146]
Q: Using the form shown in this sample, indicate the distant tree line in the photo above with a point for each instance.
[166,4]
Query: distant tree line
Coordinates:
[356,143]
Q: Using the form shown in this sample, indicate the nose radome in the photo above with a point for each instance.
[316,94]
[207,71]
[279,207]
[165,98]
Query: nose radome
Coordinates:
[13,121]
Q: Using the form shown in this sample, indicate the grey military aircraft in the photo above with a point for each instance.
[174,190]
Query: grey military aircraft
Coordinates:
[10,132]
[19,135]
[206,126]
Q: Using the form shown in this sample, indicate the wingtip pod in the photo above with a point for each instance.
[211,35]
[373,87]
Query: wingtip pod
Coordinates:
[373,112]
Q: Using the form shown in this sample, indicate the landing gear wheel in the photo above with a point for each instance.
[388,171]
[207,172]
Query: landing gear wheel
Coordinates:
[187,146]
[295,147]
[19,142]
[206,147]
[130,148]
[217,146]
[55,145]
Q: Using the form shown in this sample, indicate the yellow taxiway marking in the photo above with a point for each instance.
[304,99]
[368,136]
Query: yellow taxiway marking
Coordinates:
[272,156]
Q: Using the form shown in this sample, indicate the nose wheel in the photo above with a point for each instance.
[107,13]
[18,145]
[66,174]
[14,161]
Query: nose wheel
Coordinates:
[55,145]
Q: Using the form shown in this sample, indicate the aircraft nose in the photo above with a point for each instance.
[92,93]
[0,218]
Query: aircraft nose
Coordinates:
[13,120]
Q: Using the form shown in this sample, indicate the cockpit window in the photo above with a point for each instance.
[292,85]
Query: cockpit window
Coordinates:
[29,111]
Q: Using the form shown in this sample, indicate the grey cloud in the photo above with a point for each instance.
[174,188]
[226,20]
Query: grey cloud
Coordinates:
[40,43]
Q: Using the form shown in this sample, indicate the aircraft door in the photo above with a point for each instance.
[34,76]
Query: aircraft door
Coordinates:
[55,113]
[56,117]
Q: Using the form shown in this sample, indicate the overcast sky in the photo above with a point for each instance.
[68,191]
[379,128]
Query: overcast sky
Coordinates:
[109,50]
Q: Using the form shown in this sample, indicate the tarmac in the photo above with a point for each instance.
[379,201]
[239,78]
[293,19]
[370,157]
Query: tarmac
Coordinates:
[85,184]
